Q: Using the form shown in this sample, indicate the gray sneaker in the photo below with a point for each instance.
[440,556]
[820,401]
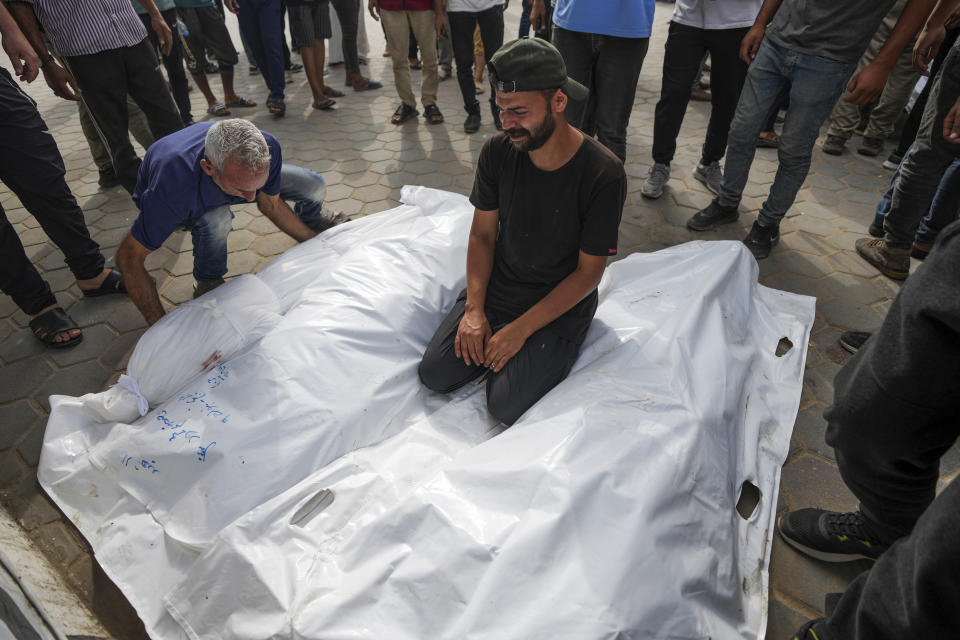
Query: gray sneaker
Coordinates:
[657,178]
[710,175]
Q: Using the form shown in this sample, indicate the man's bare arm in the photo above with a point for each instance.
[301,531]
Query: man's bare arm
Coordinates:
[933,35]
[56,77]
[160,27]
[506,342]
[867,85]
[474,329]
[131,256]
[26,63]
[751,41]
[280,213]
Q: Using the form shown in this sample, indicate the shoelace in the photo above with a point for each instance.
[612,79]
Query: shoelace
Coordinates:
[849,524]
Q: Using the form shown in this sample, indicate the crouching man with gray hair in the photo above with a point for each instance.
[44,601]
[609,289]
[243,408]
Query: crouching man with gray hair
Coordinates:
[189,179]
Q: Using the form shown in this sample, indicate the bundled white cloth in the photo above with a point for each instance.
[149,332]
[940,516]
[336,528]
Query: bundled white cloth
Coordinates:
[608,509]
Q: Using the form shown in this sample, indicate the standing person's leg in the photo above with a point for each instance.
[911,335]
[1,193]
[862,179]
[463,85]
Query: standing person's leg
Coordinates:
[765,87]
[942,212]
[920,174]
[681,62]
[845,115]
[491,27]
[883,118]
[195,55]
[578,55]
[309,26]
[259,24]
[461,34]
[424,27]
[137,126]
[727,75]
[524,30]
[815,85]
[349,24]
[146,86]
[218,42]
[103,81]
[173,63]
[445,54]
[911,591]
[615,85]
[396,27]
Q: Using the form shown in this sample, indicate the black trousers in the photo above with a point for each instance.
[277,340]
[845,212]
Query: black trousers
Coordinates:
[462,26]
[540,365]
[105,79]
[32,167]
[173,63]
[348,14]
[897,401]
[681,62]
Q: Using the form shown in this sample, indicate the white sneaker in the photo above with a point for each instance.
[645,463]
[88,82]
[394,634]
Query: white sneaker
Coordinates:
[656,179]
[711,176]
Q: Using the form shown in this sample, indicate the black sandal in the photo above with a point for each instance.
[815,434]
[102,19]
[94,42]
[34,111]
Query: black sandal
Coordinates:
[49,325]
[403,113]
[113,283]
[432,114]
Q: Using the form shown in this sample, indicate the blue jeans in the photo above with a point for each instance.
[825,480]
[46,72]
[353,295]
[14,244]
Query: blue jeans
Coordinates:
[943,211]
[922,171]
[305,188]
[813,85]
[609,66]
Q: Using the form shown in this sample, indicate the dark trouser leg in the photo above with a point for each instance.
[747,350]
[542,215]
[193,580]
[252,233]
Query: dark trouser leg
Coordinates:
[19,279]
[173,63]
[491,35]
[727,75]
[896,401]
[348,15]
[927,160]
[542,363]
[614,87]
[911,592]
[31,166]
[578,54]
[147,88]
[260,24]
[462,24]
[681,62]
[102,79]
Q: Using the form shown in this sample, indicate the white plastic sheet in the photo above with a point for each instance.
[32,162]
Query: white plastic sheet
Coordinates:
[606,511]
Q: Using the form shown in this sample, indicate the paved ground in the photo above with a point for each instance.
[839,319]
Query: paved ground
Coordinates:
[365,161]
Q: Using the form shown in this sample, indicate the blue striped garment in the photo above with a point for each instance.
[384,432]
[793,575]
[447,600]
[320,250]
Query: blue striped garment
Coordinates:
[82,27]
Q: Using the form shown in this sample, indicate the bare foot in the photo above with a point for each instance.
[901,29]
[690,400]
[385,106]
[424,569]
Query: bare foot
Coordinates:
[63,336]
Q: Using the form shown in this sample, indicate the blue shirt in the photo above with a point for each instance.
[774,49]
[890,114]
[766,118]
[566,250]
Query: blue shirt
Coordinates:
[621,18]
[172,187]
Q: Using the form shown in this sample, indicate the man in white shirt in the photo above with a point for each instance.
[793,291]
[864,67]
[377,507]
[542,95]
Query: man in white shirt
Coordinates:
[699,27]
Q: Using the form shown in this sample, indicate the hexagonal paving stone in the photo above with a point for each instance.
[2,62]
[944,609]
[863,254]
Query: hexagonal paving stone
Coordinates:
[17,419]
[95,340]
[20,379]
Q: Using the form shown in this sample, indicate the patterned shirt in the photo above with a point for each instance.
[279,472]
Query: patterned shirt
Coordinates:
[82,27]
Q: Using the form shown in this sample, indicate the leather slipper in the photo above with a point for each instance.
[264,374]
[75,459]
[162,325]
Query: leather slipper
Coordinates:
[49,325]
[113,283]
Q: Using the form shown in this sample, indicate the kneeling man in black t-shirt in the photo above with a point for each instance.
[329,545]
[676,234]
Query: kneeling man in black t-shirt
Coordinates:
[548,204]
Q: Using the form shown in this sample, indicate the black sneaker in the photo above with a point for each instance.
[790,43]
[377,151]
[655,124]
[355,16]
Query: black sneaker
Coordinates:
[809,631]
[472,123]
[871,147]
[853,340]
[761,240]
[108,178]
[875,229]
[892,161]
[830,536]
[714,214]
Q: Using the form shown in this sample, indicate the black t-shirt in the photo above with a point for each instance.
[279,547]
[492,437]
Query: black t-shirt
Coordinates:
[546,218]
